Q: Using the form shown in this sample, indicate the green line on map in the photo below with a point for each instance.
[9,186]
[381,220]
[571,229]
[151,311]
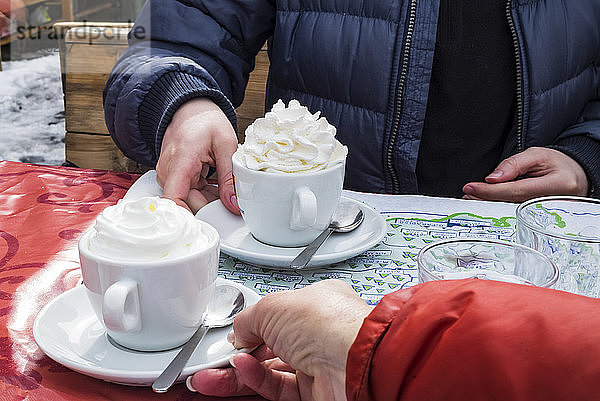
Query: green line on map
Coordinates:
[497,222]
[558,220]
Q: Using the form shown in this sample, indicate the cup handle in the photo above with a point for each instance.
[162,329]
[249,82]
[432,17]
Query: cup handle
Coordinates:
[304,209]
[121,307]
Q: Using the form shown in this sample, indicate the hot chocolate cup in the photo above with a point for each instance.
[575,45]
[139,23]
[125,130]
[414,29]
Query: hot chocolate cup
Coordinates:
[151,305]
[287,209]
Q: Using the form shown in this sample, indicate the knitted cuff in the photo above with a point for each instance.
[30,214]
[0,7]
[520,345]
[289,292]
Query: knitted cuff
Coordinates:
[585,151]
[163,99]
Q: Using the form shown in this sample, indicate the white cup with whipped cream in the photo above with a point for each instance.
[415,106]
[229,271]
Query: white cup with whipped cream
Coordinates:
[150,269]
[288,175]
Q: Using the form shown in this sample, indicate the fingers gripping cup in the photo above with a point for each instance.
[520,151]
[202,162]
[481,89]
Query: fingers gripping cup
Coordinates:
[149,268]
[289,175]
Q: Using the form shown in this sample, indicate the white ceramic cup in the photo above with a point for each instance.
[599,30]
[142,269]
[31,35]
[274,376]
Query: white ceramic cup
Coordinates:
[151,305]
[287,209]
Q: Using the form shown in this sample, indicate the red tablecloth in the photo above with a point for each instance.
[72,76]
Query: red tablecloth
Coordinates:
[43,210]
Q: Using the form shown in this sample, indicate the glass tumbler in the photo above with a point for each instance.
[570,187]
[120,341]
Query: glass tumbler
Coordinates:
[567,229]
[485,259]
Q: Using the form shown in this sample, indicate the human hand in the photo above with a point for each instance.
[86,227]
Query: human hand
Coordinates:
[199,136]
[309,331]
[529,174]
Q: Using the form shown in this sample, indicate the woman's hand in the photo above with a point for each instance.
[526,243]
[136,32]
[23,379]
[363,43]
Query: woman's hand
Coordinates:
[529,174]
[309,331]
[199,136]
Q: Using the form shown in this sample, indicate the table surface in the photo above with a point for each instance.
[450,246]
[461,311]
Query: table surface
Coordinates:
[43,211]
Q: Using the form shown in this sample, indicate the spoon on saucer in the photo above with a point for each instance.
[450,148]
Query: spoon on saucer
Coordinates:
[228,302]
[346,218]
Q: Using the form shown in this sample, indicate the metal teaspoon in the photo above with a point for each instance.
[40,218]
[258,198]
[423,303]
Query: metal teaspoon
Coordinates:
[228,302]
[346,218]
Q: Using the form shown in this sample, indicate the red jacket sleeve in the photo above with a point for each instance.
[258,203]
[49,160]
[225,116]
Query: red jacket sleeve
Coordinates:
[469,340]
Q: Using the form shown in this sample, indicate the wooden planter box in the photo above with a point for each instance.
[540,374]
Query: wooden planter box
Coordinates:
[88,53]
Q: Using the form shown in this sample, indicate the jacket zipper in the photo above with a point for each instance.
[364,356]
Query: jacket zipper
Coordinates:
[389,155]
[515,39]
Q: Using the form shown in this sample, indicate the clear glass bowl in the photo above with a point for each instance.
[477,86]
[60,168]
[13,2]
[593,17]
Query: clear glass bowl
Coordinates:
[567,229]
[485,259]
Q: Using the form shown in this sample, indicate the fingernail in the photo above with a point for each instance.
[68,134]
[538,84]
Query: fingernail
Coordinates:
[468,190]
[495,174]
[231,361]
[231,337]
[234,201]
[188,384]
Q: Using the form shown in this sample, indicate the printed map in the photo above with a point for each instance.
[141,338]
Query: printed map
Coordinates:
[413,222]
[390,265]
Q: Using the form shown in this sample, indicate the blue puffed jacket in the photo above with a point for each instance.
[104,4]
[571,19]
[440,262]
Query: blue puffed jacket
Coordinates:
[366,64]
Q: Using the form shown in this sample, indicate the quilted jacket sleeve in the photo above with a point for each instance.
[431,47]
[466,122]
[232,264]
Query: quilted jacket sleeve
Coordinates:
[581,142]
[181,49]
[477,340]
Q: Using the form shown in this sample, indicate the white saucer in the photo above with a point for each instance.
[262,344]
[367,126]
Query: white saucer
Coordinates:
[237,241]
[68,331]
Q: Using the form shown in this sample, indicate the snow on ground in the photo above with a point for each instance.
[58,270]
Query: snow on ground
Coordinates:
[32,118]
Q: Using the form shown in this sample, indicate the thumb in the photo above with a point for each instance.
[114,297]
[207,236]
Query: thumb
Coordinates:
[225,176]
[246,329]
[514,167]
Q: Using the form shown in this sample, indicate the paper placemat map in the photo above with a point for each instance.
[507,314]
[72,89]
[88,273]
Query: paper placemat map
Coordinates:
[413,222]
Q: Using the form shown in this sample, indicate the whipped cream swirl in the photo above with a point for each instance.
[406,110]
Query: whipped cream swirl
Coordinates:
[146,229]
[291,140]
